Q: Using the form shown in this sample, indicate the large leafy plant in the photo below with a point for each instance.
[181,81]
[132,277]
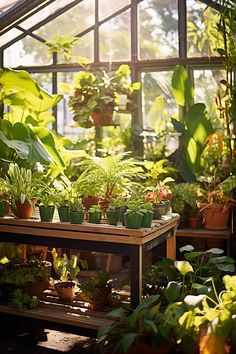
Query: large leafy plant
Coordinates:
[194,128]
[23,135]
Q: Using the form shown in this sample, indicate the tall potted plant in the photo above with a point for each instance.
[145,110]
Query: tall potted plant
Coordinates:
[22,186]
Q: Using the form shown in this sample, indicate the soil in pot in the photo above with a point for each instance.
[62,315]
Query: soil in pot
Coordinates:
[65,290]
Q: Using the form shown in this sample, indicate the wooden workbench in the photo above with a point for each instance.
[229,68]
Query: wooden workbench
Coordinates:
[93,237]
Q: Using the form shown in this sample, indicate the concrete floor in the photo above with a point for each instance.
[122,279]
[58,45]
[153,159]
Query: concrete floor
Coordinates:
[19,335]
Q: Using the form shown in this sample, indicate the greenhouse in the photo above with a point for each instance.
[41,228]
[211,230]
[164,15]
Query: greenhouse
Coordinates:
[117,176]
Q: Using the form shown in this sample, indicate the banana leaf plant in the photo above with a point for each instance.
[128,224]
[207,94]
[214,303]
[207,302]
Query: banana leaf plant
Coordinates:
[194,128]
[22,134]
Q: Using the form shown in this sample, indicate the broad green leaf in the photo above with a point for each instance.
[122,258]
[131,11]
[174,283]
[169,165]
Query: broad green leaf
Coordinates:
[198,123]
[183,267]
[48,141]
[215,251]
[182,87]
[226,267]
[172,291]
[13,80]
[179,127]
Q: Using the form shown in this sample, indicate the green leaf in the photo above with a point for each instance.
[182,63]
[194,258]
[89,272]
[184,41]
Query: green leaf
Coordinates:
[48,141]
[215,251]
[172,291]
[226,267]
[182,87]
[127,340]
[179,127]
[183,267]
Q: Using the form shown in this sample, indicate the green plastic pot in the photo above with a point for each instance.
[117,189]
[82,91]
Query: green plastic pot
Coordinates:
[63,212]
[46,212]
[95,218]
[76,217]
[112,217]
[3,207]
[147,219]
[133,221]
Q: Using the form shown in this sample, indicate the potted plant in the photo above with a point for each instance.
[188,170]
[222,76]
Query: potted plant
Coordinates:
[215,202]
[22,186]
[142,330]
[134,214]
[63,205]
[31,276]
[88,187]
[113,211]
[76,210]
[147,210]
[4,206]
[92,294]
[95,95]
[95,214]
[114,176]
[67,269]
[47,202]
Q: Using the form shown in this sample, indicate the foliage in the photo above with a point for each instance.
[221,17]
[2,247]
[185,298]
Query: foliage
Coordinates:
[22,301]
[218,191]
[114,175]
[98,91]
[26,139]
[19,272]
[135,207]
[63,45]
[158,171]
[145,324]
[194,128]
[95,209]
[67,268]
[173,280]
[185,197]
[21,183]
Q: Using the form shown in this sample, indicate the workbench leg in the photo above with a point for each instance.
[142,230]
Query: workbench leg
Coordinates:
[135,275]
[171,244]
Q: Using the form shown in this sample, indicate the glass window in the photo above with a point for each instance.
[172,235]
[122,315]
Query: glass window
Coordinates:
[158,29]
[115,38]
[206,86]
[8,36]
[107,8]
[202,36]
[27,51]
[44,13]
[6,5]
[71,22]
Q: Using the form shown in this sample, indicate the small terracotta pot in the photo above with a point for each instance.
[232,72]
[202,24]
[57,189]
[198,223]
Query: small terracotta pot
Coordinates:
[103,118]
[65,290]
[23,211]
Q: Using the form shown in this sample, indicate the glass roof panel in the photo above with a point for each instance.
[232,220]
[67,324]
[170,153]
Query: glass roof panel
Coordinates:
[71,22]
[8,36]
[107,8]
[7,4]
[44,13]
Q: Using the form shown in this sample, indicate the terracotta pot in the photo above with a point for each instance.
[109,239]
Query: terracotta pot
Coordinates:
[65,290]
[97,305]
[158,210]
[103,118]
[89,201]
[215,216]
[193,222]
[23,211]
